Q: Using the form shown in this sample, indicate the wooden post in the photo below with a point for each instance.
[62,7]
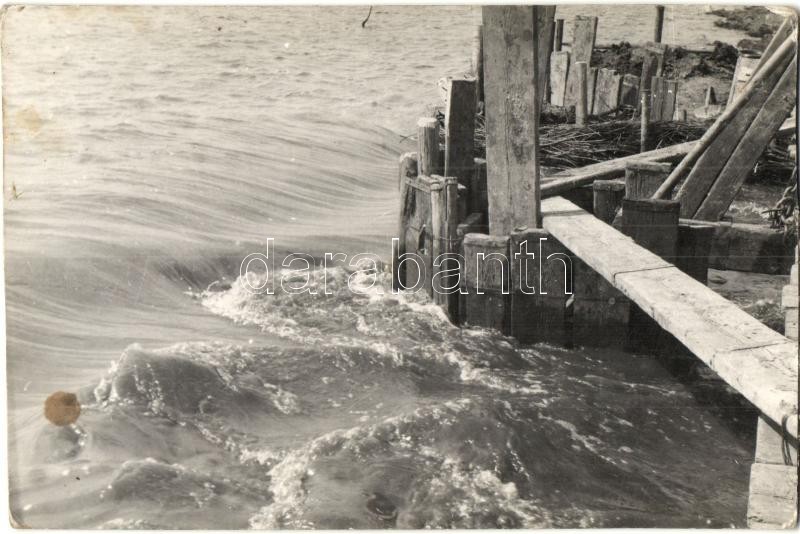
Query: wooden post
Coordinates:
[642,179]
[608,195]
[428,141]
[600,312]
[694,247]
[512,117]
[772,499]
[477,60]
[459,129]
[653,224]
[486,277]
[544,31]
[559,67]
[446,218]
[659,24]
[541,276]
[478,195]
[670,97]
[559,37]
[408,168]
[584,33]
[680,115]
[607,91]
[580,102]
[645,118]
[711,96]
[629,94]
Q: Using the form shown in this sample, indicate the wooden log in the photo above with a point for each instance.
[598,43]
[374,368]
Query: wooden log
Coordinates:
[459,128]
[580,103]
[658,90]
[600,312]
[752,144]
[694,246]
[772,501]
[512,117]
[407,168]
[659,24]
[541,276]
[479,199]
[642,179]
[559,67]
[559,36]
[428,146]
[438,222]
[629,93]
[745,68]
[608,195]
[544,31]
[752,358]
[775,64]
[584,34]
[644,131]
[450,248]
[606,97]
[653,224]
[486,278]
[591,86]
[670,97]
[477,61]
[606,170]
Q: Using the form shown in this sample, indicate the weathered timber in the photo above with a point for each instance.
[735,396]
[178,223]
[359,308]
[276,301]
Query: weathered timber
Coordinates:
[670,97]
[657,98]
[541,275]
[478,195]
[428,146]
[606,170]
[600,312]
[544,32]
[644,132]
[694,244]
[438,240]
[486,277]
[651,61]
[477,61]
[680,115]
[559,67]
[414,265]
[584,34]
[711,96]
[580,102]
[643,178]
[591,86]
[745,68]
[407,168]
[559,36]
[776,63]
[629,93]
[757,361]
[653,224]
[459,129]
[608,195]
[659,24]
[758,135]
[772,502]
[606,95]
[512,117]
[749,248]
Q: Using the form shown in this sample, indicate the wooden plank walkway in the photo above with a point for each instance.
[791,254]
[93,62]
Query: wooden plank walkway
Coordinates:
[754,359]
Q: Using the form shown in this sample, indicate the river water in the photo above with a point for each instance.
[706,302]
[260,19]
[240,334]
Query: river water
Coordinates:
[151,149]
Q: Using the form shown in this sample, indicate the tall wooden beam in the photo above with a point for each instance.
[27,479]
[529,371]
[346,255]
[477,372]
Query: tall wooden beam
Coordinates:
[584,34]
[512,116]
[545,25]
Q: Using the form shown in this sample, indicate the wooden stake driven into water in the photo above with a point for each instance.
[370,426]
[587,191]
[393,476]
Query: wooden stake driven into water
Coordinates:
[659,25]
[511,40]
[428,146]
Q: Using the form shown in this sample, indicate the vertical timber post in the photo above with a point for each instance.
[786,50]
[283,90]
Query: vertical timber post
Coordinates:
[559,36]
[512,117]
[607,198]
[659,24]
[645,120]
[428,140]
[772,500]
[486,278]
[477,61]
[581,100]
[459,132]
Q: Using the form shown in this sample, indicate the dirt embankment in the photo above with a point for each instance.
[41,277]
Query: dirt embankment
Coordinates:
[758,22]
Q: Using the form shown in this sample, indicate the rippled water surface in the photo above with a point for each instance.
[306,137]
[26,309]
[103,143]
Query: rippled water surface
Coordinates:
[151,150]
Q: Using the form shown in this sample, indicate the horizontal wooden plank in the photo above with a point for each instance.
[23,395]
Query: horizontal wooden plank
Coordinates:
[760,363]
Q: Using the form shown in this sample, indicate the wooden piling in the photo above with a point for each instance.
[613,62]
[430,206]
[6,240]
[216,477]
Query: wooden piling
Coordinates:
[512,140]
[407,168]
[608,195]
[477,61]
[694,247]
[559,36]
[584,33]
[644,135]
[629,93]
[486,278]
[711,96]
[642,179]
[580,102]
[559,69]
[428,146]
[540,284]
[772,500]
[459,129]
[659,24]
[607,91]
[600,312]
[653,224]
[445,217]
[479,200]
[544,35]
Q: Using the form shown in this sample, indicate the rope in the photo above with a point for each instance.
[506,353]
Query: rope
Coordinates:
[786,448]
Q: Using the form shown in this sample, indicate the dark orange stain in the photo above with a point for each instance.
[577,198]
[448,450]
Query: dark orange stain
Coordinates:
[62,408]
